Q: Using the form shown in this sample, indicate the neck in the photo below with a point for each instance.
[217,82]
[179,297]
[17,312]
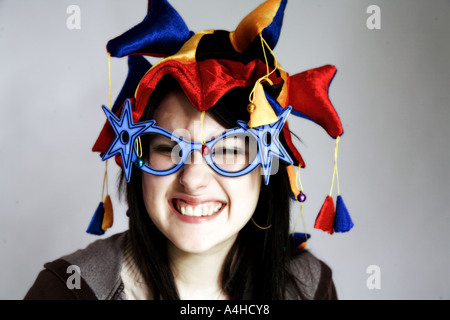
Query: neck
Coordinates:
[198,276]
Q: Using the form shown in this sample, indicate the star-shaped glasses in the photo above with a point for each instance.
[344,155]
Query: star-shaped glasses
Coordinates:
[236,152]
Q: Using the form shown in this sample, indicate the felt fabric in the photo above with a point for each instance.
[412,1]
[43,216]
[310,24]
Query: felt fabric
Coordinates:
[204,83]
[108,216]
[161,33]
[263,112]
[207,65]
[266,19]
[298,239]
[204,88]
[325,218]
[342,220]
[308,96]
[95,226]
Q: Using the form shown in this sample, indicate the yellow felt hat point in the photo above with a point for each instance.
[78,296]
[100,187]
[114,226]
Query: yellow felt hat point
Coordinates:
[293,180]
[262,112]
[253,24]
[108,217]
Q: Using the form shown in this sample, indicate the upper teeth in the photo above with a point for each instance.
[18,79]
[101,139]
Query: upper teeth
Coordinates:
[198,211]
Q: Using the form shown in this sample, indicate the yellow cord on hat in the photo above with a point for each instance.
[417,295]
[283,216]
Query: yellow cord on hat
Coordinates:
[105,183]
[300,187]
[202,116]
[139,147]
[105,176]
[266,76]
[335,170]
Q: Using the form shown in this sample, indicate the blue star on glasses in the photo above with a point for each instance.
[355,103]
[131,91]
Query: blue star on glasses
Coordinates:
[126,133]
[269,144]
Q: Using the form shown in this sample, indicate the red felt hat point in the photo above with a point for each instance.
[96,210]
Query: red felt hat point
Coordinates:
[325,218]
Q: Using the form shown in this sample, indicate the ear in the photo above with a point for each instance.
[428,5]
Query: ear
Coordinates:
[160,34]
[266,19]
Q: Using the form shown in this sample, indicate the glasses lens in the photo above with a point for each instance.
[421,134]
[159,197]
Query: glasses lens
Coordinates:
[160,152]
[235,152]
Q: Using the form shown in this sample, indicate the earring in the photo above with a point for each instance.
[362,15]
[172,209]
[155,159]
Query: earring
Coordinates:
[262,228]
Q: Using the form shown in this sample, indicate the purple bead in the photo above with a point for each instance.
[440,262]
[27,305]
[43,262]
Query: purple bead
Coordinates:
[301,197]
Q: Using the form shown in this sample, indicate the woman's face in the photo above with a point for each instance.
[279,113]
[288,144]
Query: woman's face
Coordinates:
[196,208]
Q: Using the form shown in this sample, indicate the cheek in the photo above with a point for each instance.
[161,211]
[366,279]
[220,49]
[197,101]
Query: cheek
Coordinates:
[244,195]
[154,191]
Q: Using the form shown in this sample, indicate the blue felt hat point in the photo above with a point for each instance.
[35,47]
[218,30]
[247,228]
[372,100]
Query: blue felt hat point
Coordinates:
[95,226]
[342,220]
[272,32]
[154,35]
[298,238]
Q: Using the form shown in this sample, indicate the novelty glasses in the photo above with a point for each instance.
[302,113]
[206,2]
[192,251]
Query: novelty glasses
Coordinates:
[235,152]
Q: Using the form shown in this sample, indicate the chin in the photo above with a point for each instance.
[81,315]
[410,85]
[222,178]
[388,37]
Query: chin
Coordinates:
[192,246]
[198,245]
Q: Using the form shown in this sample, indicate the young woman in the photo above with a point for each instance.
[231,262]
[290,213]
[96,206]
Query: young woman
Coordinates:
[207,163]
[222,252]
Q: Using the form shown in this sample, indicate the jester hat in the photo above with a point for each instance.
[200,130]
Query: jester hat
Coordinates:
[208,64]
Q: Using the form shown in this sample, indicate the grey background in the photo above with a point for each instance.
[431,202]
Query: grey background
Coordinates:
[391,91]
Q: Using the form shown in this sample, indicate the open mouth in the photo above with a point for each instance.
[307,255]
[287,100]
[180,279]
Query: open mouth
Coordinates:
[204,209]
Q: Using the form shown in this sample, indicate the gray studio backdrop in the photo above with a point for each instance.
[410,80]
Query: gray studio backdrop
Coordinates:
[391,91]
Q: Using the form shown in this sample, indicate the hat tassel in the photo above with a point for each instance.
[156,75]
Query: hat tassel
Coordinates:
[103,216]
[298,239]
[342,220]
[325,218]
[329,219]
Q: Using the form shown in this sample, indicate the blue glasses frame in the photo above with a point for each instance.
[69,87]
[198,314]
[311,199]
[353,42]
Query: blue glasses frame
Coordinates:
[267,137]
[186,149]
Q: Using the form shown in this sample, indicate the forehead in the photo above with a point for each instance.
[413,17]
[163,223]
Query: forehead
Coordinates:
[175,112]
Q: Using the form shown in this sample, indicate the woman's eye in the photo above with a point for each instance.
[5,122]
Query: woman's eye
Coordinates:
[162,149]
[228,151]
[233,151]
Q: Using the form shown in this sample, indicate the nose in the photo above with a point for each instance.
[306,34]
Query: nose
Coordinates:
[196,174]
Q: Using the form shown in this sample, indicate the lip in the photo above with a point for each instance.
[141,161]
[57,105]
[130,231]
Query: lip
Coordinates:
[193,201]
